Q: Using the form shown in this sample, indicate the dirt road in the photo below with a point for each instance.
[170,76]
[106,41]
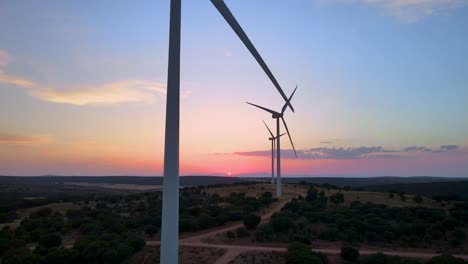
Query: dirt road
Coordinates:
[234,250]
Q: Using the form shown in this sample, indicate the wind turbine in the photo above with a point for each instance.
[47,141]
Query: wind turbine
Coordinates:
[272,139]
[278,116]
[170,199]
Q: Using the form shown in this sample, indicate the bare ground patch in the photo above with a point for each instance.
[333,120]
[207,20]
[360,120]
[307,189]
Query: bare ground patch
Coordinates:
[187,255]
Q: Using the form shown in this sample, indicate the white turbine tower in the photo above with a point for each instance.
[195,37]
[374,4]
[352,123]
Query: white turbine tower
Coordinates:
[170,199]
[273,140]
[278,116]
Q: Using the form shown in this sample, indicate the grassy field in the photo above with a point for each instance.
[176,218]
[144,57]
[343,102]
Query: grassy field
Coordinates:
[118,186]
[288,190]
[383,198]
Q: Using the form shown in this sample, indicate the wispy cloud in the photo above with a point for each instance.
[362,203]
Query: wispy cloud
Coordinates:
[19,140]
[6,59]
[123,91]
[412,10]
[340,153]
[442,148]
[15,80]
[104,94]
[449,147]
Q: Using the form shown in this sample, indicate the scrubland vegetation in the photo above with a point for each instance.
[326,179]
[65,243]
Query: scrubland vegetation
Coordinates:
[96,226]
[115,228]
[320,217]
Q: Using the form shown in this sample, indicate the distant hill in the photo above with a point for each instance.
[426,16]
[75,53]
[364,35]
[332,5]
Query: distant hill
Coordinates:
[210,180]
[184,180]
[359,182]
[430,189]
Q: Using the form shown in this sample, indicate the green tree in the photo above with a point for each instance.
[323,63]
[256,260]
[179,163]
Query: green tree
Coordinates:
[264,233]
[312,194]
[337,198]
[251,221]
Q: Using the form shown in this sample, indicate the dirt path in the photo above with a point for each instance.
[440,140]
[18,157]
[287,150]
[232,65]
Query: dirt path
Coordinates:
[234,250]
[231,251]
[200,237]
[240,249]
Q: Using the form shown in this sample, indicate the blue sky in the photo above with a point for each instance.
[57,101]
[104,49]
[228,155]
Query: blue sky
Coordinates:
[86,81]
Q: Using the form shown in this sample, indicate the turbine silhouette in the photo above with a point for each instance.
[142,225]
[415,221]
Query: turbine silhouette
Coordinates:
[170,199]
[278,116]
[273,140]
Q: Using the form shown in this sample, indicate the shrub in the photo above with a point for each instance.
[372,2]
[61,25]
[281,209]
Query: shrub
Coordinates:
[231,235]
[50,240]
[417,199]
[301,238]
[264,233]
[381,258]
[60,255]
[251,221]
[337,198]
[446,259]
[299,253]
[44,212]
[18,256]
[151,230]
[312,194]
[349,253]
[242,232]
[281,223]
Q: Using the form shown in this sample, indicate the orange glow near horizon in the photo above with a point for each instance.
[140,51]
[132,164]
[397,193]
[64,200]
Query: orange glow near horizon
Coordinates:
[89,158]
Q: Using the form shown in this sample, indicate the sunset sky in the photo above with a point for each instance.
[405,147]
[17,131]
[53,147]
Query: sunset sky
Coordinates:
[383,87]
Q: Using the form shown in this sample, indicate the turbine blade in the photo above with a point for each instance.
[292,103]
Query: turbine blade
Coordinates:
[271,133]
[289,100]
[264,108]
[289,135]
[231,20]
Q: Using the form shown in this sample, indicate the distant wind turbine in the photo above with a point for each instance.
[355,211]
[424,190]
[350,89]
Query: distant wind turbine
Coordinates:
[272,139]
[278,116]
[170,199]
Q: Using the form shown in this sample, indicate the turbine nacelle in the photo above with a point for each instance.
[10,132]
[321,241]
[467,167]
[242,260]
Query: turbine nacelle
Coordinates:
[277,115]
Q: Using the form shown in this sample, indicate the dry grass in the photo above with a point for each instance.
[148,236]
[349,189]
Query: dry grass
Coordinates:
[383,198]
[118,186]
[255,190]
